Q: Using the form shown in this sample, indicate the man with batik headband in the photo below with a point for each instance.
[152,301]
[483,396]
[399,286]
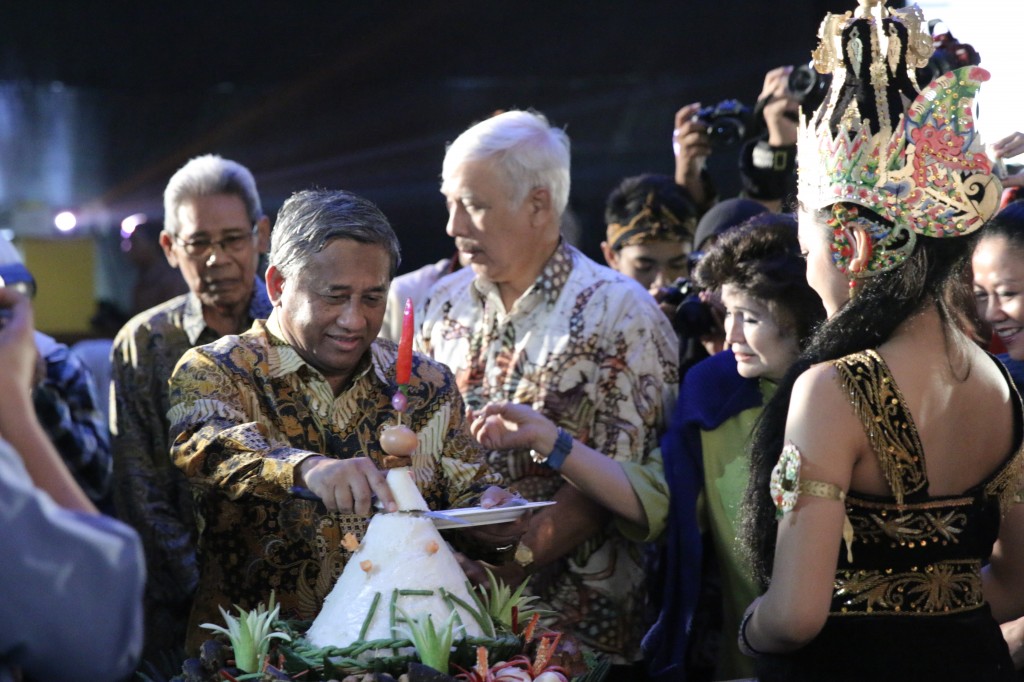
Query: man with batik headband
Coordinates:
[881,510]
[651,224]
[533,322]
[651,221]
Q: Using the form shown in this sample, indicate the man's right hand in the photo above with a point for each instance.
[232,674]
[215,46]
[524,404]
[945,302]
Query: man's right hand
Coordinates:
[691,146]
[347,485]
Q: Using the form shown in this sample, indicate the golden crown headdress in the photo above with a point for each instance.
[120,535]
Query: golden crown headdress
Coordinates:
[911,156]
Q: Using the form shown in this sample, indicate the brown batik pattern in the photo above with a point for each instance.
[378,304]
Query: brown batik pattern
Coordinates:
[246,411]
[589,349]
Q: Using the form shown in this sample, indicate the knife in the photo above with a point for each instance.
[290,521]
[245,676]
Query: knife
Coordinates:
[307,494]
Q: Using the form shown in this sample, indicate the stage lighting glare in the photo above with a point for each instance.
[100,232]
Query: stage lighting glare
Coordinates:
[129,224]
[65,221]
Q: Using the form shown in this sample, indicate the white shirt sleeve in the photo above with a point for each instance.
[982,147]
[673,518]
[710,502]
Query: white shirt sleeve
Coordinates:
[71,586]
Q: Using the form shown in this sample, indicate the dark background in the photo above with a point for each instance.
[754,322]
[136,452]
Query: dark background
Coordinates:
[364,95]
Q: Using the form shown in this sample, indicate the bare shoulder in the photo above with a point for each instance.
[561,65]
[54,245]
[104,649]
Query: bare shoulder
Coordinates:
[818,383]
[821,421]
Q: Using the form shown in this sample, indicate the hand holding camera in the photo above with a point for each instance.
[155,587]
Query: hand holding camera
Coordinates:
[780,107]
[691,146]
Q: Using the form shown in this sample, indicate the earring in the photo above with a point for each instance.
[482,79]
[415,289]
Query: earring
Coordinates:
[854,281]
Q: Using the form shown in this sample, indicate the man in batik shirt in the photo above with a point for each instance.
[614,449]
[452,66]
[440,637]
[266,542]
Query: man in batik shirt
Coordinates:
[534,321]
[214,231]
[300,401]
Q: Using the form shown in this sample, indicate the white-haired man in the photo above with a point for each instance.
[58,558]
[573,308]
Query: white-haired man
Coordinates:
[533,321]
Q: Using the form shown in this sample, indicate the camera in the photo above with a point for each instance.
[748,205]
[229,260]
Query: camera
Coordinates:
[729,123]
[807,86]
[692,318]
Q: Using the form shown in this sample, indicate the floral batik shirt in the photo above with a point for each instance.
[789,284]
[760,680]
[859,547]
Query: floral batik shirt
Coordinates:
[150,493]
[590,349]
[246,411]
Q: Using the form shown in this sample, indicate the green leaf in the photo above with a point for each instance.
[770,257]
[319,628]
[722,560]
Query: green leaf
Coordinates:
[433,646]
[498,601]
[250,634]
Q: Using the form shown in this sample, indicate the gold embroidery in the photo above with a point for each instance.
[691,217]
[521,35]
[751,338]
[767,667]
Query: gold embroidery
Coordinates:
[899,508]
[877,401]
[907,527]
[935,589]
[1006,485]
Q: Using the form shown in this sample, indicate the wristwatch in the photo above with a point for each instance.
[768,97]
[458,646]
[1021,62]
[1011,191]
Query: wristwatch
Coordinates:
[524,555]
[554,459]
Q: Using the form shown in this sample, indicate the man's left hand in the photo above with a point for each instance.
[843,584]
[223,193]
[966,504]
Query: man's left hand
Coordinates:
[499,535]
[511,573]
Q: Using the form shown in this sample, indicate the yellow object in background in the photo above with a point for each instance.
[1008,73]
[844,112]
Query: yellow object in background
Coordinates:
[64,274]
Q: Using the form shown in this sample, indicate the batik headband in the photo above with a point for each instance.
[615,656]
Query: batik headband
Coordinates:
[654,223]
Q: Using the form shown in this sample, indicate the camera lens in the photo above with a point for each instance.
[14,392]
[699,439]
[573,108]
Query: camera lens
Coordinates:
[728,123]
[693,318]
[808,86]
[726,131]
[801,80]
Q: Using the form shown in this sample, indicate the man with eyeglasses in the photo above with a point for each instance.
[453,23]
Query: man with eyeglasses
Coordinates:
[214,232]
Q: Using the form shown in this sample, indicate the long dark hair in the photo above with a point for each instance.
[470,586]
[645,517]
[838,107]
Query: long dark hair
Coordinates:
[934,274]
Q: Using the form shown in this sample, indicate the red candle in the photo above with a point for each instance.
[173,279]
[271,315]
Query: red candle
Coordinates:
[404,366]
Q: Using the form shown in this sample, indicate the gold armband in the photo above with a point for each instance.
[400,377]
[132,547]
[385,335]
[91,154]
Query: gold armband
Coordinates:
[786,488]
[829,491]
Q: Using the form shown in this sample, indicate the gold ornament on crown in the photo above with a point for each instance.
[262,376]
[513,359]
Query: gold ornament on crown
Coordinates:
[911,156]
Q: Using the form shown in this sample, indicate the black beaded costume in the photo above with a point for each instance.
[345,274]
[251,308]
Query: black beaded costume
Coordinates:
[909,606]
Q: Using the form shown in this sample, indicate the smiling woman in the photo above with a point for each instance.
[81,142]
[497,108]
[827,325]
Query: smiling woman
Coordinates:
[998,264]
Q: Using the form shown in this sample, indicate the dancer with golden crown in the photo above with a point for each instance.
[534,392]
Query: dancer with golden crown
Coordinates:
[890,459]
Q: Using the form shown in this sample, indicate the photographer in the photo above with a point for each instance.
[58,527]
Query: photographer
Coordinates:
[768,164]
[765,134]
[650,224]
[691,147]
[650,232]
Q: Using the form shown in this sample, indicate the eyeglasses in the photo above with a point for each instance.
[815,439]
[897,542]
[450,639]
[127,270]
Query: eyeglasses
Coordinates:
[202,248]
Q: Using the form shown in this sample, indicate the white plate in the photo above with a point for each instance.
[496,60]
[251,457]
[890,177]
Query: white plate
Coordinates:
[478,516]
